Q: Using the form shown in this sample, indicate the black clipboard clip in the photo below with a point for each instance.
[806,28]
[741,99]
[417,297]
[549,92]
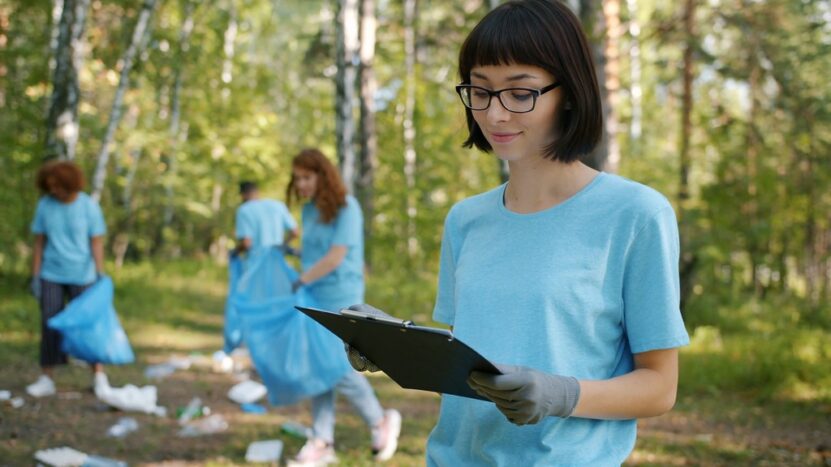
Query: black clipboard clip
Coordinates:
[375,317]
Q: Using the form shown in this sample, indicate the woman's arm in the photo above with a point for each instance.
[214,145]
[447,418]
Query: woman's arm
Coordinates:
[97,245]
[327,264]
[37,254]
[649,390]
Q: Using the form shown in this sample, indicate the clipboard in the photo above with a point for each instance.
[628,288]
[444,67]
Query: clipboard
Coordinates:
[415,357]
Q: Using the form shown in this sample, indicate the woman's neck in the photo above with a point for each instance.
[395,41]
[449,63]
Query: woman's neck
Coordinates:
[543,184]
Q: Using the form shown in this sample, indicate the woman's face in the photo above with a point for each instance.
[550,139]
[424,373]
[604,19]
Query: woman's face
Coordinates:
[57,191]
[305,182]
[516,136]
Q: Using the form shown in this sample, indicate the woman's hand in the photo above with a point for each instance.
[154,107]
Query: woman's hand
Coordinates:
[526,396]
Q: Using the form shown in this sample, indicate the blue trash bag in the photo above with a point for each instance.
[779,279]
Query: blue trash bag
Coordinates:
[90,328]
[232,330]
[296,357]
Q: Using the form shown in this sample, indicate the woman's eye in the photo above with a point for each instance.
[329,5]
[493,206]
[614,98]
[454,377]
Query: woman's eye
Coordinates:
[480,93]
[521,95]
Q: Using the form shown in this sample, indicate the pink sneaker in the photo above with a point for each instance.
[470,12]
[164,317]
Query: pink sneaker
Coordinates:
[385,436]
[314,453]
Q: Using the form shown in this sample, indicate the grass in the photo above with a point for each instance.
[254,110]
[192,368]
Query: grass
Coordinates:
[752,395]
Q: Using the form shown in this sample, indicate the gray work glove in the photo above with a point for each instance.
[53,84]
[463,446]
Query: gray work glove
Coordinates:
[34,287]
[357,359]
[526,396]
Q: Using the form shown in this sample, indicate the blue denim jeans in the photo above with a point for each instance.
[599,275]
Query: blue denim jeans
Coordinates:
[358,392]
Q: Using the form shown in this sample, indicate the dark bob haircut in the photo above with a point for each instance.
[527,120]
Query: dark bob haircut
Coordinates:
[545,34]
[62,174]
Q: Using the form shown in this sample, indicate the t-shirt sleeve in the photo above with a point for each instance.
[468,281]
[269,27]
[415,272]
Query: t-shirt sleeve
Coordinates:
[348,225]
[97,226]
[651,288]
[244,224]
[38,224]
[445,309]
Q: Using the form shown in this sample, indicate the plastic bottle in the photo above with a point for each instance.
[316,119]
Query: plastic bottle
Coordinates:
[298,430]
[123,427]
[192,410]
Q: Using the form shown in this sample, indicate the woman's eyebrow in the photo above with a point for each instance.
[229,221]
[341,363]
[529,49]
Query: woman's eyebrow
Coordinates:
[521,77]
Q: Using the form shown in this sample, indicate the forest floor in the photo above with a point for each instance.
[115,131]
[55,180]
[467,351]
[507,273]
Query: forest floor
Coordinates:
[171,321]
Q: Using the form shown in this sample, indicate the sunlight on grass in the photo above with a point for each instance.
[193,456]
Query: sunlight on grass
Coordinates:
[166,337]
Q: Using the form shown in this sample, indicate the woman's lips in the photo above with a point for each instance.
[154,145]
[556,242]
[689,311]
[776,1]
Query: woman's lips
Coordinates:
[503,138]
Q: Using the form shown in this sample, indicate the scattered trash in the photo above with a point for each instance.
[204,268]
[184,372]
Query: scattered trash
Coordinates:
[123,427]
[194,409]
[165,369]
[131,398]
[17,402]
[5,395]
[253,408]
[241,376]
[247,392]
[61,457]
[69,395]
[222,362]
[206,426]
[159,371]
[68,457]
[264,451]
[298,430]
[98,461]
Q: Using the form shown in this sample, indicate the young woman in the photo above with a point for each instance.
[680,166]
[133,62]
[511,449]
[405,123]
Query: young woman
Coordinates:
[68,257]
[332,263]
[566,277]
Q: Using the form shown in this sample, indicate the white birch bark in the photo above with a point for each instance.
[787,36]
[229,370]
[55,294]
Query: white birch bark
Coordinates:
[126,64]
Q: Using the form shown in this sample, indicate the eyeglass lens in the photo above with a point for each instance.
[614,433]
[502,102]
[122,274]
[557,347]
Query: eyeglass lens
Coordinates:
[513,99]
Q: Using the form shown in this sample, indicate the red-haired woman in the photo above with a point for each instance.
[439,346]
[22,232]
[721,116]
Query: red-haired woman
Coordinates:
[68,257]
[333,260]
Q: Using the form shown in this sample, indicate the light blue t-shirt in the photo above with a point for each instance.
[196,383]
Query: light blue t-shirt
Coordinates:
[345,285]
[68,228]
[264,222]
[573,290]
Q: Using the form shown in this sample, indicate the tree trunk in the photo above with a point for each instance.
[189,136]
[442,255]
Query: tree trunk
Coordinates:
[175,134]
[688,258]
[410,156]
[636,91]
[62,120]
[591,15]
[124,81]
[368,157]
[613,36]
[347,50]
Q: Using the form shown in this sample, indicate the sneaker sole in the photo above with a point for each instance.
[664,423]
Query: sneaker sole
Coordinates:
[388,451]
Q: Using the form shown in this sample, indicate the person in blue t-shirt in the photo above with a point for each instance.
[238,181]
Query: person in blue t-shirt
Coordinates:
[565,277]
[68,257]
[332,262]
[261,222]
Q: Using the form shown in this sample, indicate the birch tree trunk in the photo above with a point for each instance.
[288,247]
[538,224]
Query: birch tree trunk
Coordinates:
[591,15]
[174,132]
[613,36]
[126,64]
[347,50]
[410,156]
[368,156]
[62,118]
[636,90]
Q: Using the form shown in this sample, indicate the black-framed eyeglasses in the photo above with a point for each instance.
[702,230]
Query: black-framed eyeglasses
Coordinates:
[516,100]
